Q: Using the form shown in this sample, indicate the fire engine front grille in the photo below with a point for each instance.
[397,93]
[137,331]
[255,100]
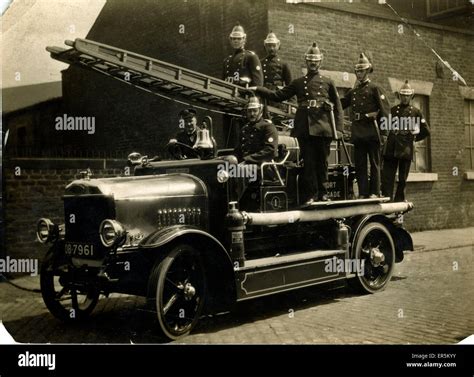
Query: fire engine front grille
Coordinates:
[179,216]
[83,216]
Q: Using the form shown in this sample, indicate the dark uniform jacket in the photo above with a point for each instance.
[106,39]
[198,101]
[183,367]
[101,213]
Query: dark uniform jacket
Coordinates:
[311,118]
[275,72]
[243,63]
[366,98]
[258,142]
[400,143]
[183,137]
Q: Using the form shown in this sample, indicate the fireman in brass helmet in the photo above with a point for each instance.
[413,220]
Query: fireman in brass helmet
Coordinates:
[276,73]
[242,67]
[399,148]
[258,140]
[368,105]
[312,125]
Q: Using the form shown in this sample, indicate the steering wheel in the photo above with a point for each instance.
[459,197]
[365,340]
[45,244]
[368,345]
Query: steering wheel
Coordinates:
[177,154]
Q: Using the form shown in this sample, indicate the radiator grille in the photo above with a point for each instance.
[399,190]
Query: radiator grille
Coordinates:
[179,216]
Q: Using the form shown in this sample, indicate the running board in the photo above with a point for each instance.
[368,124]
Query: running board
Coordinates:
[266,276]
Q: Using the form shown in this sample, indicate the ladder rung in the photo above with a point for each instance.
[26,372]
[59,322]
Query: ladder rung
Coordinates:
[153,74]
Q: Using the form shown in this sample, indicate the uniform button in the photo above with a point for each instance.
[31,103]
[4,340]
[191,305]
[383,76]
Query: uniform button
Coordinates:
[353,99]
[319,93]
[307,94]
[306,87]
[320,87]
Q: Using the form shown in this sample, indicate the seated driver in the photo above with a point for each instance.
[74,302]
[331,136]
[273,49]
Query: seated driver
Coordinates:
[187,134]
[258,139]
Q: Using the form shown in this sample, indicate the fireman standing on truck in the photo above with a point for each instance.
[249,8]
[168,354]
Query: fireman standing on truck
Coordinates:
[313,128]
[399,149]
[242,67]
[276,73]
[368,105]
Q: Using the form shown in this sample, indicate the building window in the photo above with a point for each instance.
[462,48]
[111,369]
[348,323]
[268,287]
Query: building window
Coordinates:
[469,134]
[422,156]
[437,8]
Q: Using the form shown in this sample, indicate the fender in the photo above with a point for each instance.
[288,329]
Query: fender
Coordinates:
[216,259]
[163,236]
[401,238]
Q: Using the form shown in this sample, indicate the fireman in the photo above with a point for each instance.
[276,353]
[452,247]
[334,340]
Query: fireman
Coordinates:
[368,105]
[258,138]
[258,142]
[242,67]
[276,73]
[407,126]
[312,124]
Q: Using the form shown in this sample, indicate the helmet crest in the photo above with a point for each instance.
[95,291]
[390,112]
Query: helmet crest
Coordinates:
[313,53]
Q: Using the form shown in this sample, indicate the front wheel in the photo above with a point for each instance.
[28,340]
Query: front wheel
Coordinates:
[63,299]
[375,253]
[180,291]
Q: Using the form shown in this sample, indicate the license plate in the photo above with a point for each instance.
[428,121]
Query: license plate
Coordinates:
[79,249]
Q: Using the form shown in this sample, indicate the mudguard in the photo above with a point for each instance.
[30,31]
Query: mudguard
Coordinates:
[401,238]
[217,262]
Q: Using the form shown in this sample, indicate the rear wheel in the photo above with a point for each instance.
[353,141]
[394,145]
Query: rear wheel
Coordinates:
[375,251]
[180,291]
[62,298]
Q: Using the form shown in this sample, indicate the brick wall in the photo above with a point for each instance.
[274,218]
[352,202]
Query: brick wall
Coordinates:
[127,118]
[37,193]
[448,202]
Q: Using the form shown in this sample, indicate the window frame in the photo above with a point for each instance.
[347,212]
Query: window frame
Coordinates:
[426,143]
[469,148]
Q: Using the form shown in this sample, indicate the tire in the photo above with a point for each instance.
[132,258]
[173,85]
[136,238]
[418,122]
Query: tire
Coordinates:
[374,247]
[54,281]
[178,286]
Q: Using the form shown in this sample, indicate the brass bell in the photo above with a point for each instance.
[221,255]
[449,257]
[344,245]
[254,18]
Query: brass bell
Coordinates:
[204,141]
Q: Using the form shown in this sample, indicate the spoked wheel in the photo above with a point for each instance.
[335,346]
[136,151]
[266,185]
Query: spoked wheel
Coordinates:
[180,291]
[63,300]
[376,252]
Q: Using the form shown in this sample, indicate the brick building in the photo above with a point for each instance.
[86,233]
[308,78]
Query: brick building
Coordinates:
[194,34]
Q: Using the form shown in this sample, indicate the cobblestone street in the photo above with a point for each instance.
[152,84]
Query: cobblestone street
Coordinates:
[429,300]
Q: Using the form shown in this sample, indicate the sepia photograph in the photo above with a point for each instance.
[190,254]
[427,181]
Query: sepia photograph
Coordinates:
[242,172]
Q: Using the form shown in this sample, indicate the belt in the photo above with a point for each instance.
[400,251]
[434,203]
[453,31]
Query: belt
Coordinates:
[311,103]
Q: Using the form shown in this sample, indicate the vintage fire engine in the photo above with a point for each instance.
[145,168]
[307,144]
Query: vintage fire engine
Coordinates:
[177,233]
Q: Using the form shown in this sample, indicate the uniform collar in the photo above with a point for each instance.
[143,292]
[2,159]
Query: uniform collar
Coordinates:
[312,73]
[271,57]
[361,84]
[239,50]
